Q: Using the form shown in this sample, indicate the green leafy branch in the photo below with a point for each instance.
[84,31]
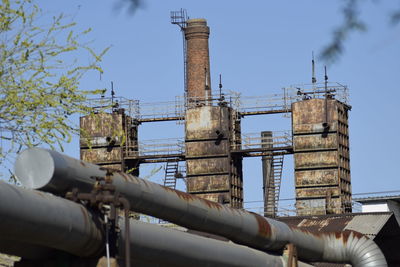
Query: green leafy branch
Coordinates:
[39,83]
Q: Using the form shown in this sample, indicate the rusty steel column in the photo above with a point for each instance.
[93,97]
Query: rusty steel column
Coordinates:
[212,171]
[268,177]
[321,156]
[107,138]
[197,60]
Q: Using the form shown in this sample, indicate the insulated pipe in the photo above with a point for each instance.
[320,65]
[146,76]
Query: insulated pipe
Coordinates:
[148,243]
[51,171]
[156,244]
[41,219]
[25,250]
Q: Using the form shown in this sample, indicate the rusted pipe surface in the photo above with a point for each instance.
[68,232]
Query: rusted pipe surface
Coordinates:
[196,213]
[170,247]
[41,219]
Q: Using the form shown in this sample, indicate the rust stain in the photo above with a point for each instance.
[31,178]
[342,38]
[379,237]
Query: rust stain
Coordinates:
[184,196]
[264,228]
[181,195]
[189,198]
[346,234]
[82,163]
[125,176]
[168,189]
[211,204]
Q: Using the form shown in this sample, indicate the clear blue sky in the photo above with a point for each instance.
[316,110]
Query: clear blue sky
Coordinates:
[259,47]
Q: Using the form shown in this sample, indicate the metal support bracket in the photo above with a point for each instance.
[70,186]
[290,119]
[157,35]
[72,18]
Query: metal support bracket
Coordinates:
[291,253]
[102,195]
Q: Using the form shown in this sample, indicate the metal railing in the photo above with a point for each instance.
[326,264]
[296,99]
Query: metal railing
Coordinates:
[245,105]
[289,209]
[278,139]
[154,147]
[300,92]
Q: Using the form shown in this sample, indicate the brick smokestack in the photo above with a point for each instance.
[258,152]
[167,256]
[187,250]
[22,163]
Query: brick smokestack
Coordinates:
[198,60]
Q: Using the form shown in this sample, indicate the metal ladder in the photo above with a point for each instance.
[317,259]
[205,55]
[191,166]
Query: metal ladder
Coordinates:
[171,172]
[275,186]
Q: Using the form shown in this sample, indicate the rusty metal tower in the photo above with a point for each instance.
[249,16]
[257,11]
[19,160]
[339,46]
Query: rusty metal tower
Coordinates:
[214,146]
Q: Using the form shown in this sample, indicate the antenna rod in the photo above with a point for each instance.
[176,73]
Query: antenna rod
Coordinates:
[313,79]
[325,124]
[326,83]
[112,94]
[220,86]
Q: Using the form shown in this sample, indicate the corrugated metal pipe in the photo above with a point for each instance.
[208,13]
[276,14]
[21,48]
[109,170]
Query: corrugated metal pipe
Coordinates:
[51,171]
[32,221]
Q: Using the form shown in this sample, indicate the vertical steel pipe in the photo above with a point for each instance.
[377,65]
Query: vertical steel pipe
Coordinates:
[49,170]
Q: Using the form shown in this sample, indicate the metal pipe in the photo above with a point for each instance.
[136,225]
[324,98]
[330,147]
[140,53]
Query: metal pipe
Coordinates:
[107,240]
[52,171]
[165,246]
[126,206]
[41,219]
[26,250]
[148,243]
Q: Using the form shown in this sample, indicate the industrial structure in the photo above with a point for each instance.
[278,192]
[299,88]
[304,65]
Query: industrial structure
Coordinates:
[82,212]
[50,171]
[214,144]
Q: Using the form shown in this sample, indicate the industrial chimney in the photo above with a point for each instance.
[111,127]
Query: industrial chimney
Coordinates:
[197,60]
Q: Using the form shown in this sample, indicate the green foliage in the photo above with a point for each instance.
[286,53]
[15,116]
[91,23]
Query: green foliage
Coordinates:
[351,23]
[39,83]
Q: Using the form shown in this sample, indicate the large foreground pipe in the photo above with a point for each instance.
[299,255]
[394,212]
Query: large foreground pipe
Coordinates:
[165,246]
[39,219]
[64,220]
[51,171]
[25,250]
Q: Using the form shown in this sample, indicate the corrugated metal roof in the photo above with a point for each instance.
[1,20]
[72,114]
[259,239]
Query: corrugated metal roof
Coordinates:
[369,225]
[377,198]
[365,223]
